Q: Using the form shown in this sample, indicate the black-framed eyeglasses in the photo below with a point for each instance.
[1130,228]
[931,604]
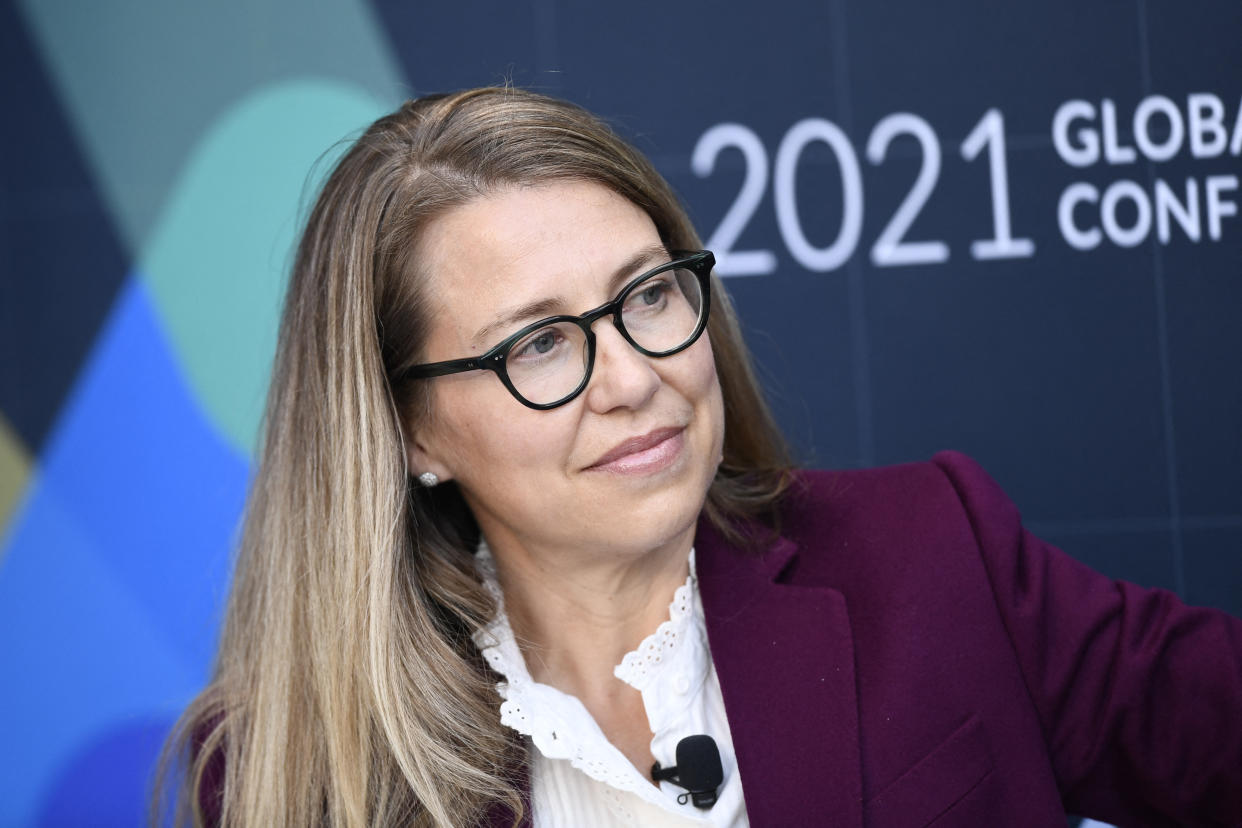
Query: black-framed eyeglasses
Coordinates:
[549,362]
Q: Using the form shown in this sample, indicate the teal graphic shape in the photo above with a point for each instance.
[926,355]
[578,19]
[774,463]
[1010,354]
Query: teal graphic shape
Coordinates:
[217,261]
[142,80]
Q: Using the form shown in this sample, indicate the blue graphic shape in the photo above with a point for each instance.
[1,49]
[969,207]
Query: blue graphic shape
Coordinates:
[106,783]
[116,566]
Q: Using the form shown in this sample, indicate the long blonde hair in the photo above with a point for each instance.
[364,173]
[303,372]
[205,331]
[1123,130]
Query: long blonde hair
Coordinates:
[347,690]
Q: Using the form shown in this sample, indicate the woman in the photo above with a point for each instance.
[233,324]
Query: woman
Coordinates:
[511,420]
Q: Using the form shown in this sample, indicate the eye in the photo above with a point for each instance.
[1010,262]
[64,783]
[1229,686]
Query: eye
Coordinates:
[537,344]
[649,295]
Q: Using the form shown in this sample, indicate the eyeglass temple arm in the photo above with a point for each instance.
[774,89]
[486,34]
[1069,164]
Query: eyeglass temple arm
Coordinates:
[440,369]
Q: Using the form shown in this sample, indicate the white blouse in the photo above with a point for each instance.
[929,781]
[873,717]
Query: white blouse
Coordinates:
[580,778]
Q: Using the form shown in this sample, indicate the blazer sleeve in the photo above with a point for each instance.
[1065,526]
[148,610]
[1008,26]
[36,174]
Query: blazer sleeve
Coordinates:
[1139,695]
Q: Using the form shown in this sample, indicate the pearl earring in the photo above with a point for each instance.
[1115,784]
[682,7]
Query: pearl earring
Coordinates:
[428,479]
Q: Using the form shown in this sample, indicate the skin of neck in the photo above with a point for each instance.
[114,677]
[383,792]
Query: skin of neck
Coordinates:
[575,615]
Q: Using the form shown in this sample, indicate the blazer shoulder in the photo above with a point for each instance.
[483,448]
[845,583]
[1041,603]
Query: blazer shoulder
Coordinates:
[902,492]
[901,518]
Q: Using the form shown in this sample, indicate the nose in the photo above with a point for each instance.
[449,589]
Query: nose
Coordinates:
[622,377]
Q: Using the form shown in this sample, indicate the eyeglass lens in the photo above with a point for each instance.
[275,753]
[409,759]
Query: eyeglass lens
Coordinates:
[659,314]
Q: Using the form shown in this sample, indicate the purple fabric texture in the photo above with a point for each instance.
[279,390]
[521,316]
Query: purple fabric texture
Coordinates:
[905,654]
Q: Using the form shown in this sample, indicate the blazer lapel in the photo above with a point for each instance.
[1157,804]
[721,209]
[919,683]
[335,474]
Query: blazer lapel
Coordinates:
[785,659]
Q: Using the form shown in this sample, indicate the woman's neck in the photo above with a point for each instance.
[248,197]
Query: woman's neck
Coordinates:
[576,615]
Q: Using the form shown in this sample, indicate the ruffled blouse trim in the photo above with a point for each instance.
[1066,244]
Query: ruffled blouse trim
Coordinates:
[558,723]
[639,666]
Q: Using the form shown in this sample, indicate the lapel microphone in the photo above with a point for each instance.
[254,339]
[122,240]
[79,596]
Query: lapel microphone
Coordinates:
[697,770]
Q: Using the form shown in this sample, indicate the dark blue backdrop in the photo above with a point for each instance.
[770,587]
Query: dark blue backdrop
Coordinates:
[1010,229]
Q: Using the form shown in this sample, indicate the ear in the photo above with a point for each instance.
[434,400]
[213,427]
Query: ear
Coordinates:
[422,453]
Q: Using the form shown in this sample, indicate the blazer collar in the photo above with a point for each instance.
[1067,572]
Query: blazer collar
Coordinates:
[784,655]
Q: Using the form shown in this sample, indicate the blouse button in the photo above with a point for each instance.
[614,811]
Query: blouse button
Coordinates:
[681,684]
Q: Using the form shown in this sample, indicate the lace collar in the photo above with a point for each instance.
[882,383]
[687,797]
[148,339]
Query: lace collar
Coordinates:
[669,668]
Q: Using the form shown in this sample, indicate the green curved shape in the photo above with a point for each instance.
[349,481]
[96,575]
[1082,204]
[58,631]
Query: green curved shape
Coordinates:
[15,469]
[217,260]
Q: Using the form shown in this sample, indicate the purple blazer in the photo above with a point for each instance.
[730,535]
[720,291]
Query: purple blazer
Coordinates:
[905,654]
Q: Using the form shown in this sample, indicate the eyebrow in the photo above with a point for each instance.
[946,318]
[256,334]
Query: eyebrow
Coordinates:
[546,307]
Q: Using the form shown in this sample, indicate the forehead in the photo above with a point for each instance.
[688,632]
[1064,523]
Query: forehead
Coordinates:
[560,242]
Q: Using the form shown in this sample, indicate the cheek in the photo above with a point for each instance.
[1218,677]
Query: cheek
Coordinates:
[716,394]
[489,440]
[702,387]
[702,383]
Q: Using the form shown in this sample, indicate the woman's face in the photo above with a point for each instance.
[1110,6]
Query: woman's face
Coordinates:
[623,466]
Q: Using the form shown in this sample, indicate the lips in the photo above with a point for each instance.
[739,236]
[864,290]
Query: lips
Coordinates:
[650,450]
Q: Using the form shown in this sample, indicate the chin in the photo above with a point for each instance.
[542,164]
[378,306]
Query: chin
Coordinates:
[665,516]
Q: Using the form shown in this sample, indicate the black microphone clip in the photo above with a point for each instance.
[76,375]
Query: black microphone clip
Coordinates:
[697,770]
